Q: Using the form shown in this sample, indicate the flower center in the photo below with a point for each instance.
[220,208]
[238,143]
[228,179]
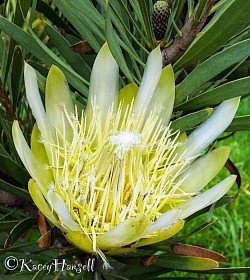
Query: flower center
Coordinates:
[125,140]
[124,169]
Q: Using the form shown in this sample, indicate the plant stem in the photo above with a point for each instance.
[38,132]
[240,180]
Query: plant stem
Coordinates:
[189,32]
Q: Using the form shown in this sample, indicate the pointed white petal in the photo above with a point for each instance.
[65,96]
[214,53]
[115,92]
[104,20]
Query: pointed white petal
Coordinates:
[58,99]
[41,203]
[58,204]
[207,132]
[38,171]
[104,80]
[163,99]
[161,235]
[149,82]
[165,220]
[125,233]
[203,170]
[206,198]
[35,102]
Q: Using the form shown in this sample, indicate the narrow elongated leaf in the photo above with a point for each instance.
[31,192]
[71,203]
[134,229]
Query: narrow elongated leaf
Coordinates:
[16,75]
[11,169]
[197,251]
[141,272]
[146,10]
[228,270]
[50,14]
[239,124]
[89,11]
[6,226]
[127,35]
[214,96]
[38,49]
[74,59]
[22,7]
[18,230]
[186,263]
[15,248]
[85,20]
[200,9]
[225,24]
[15,190]
[115,47]
[212,67]
[189,121]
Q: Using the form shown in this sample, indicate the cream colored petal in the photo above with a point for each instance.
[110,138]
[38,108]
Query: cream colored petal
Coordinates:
[59,206]
[80,240]
[149,82]
[203,170]
[162,101]
[58,99]
[161,235]
[37,147]
[127,94]
[165,220]
[103,84]
[125,233]
[37,170]
[35,102]
[41,203]
[206,198]
[208,131]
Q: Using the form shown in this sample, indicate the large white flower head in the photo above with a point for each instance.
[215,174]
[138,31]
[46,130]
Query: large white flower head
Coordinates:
[115,177]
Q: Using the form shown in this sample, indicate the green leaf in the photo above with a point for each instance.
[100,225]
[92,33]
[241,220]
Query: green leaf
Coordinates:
[16,75]
[211,68]
[3,151]
[224,25]
[6,226]
[189,121]
[200,9]
[15,248]
[146,8]
[38,49]
[23,194]
[74,59]
[240,87]
[12,170]
[186,263]
[86,19]
[171,261]
[18,230]
[228,270]
[239,124]
[141,272]
[115,47]
[50,14]
[22,7]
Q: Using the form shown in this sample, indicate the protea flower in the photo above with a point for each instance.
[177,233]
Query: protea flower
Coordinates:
[115,177]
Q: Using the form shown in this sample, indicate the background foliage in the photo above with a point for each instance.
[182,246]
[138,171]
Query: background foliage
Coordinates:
[208,44]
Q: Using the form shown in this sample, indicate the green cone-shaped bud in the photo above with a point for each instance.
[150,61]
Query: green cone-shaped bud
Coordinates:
[160,19]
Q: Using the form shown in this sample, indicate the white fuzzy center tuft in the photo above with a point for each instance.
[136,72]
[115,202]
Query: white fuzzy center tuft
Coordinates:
[124,141]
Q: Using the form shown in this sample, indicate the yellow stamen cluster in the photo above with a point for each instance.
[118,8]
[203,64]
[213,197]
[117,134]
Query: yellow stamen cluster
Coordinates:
[126,168]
